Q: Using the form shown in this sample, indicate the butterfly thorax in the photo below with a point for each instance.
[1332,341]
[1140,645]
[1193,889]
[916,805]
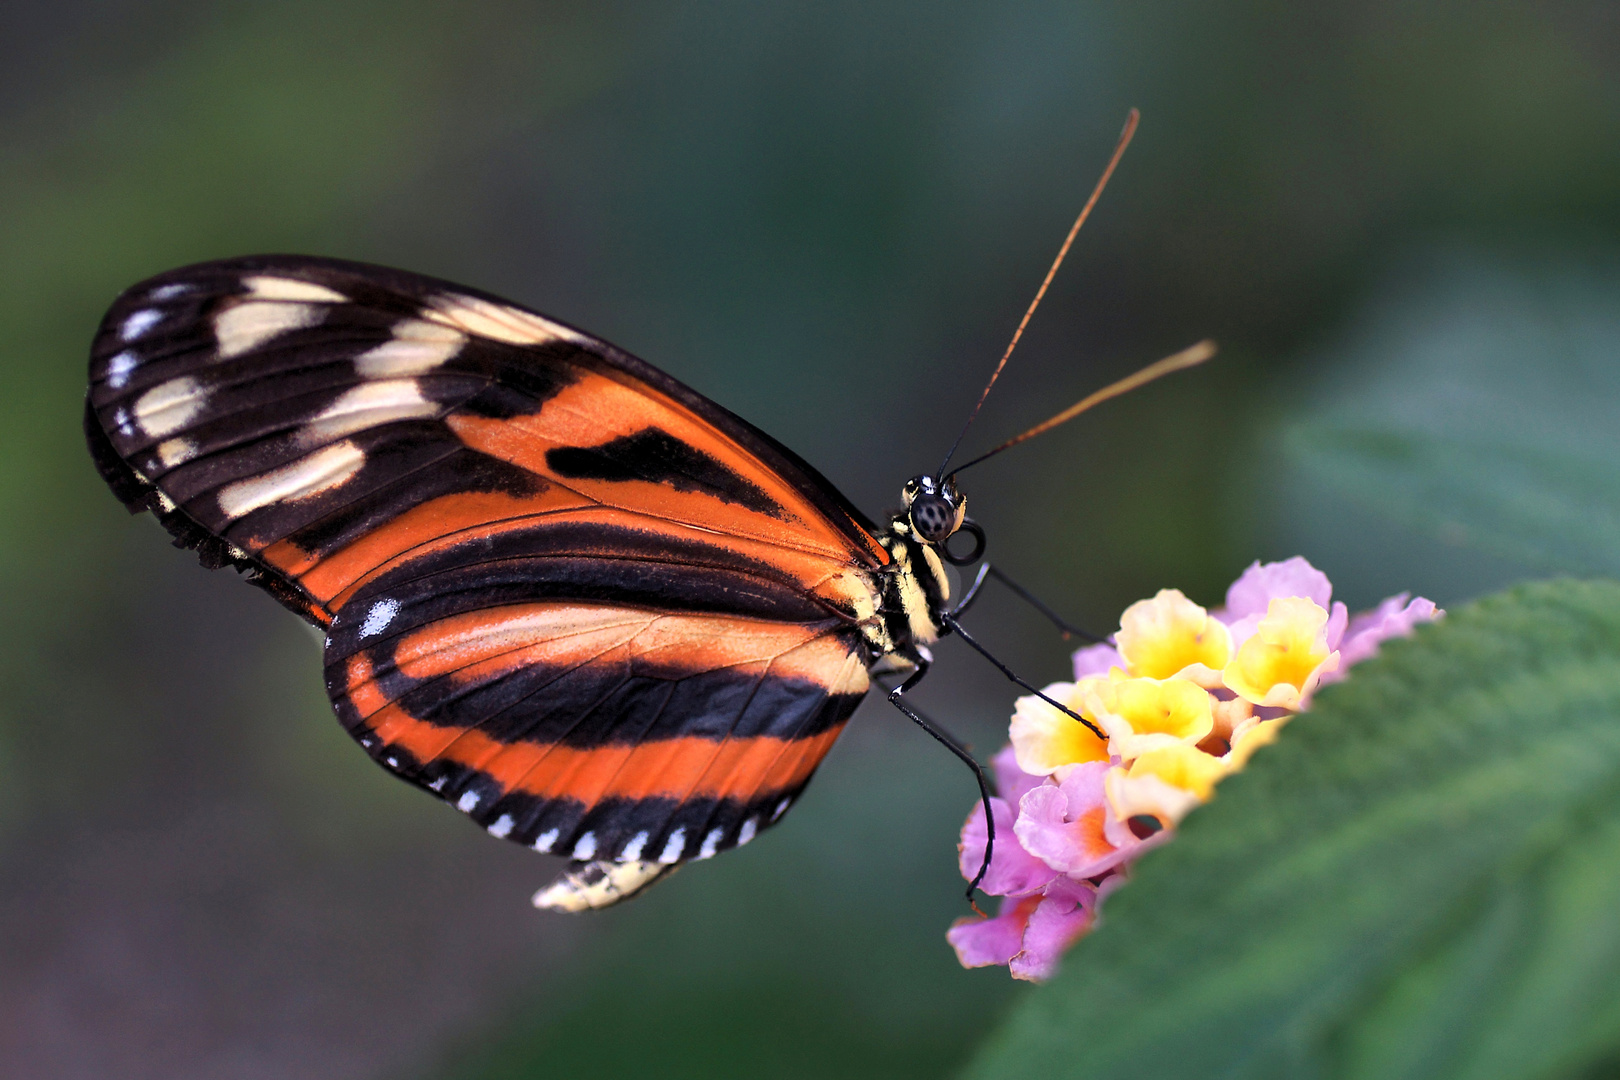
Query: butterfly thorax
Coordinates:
[914,591]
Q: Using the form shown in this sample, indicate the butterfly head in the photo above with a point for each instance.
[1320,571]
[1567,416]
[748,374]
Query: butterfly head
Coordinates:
[936,511]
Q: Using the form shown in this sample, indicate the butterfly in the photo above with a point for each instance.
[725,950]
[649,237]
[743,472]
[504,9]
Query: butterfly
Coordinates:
[579,601]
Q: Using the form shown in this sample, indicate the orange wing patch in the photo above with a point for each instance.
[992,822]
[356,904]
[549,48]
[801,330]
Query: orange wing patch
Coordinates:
[452,520]
[596,410]
[481,644]
[777,696]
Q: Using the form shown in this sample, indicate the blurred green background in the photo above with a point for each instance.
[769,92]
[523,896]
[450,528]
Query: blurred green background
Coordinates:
[1394,217]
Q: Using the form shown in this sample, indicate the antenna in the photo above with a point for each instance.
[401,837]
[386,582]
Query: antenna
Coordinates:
[1186,358]
[1096,192]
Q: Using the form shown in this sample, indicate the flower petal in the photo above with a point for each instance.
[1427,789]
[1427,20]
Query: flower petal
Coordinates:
[1013,871]
[1230,715]
[1182,766]
[983,942]
[1045,740]
[1282,662]
[1164,636]
[1063,915]
[1140,714]
[1147,795]
[1392,618]
[1096,660]
[1262,583]
[1251,737]
[1338,619]
[1067,826]
[1011,781]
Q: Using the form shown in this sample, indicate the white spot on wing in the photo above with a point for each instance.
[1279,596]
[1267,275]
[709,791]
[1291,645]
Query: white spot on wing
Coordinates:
[176,451]
[674,846]
[781,808]
[377,619]
[169,292]
[268,287]
[126,427]
[119,368]
[468,802]
[503,826]
[416,347]
[310,475]
[437,784]
[585,847]
[393,762]
[247,325]
[711,844]
[139,322]
[498,321]
[746,833]
[365,406]
[169,406]
[632,850]
[544,841]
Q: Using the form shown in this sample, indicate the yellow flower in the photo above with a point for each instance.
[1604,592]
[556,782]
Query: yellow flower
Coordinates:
[1252,736]
[1142,714]
[1182,766]
[1170,635]
[1231,716]
[1163,784]
[1146,796]
[1281,663]
[1045,740]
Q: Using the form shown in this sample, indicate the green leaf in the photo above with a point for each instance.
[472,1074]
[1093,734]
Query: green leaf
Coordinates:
[1421,878]
[1478,404]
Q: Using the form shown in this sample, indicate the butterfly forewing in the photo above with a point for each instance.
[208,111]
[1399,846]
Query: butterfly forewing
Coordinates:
[571,596]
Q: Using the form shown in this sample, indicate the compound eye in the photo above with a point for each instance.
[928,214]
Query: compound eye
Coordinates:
[933,518]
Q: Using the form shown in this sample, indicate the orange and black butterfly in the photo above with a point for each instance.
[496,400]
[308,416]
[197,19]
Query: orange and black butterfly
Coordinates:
[579,601]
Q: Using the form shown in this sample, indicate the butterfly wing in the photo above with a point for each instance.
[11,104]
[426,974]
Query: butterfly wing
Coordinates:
[599,730]
[573,597]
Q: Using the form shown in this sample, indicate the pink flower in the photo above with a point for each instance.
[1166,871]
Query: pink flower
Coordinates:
[1029,934]
[1262,583]
[1068,826]
[1096,660]
[1011,781]
[1066,912]
[983,942]
[1013,871]
[1394,617]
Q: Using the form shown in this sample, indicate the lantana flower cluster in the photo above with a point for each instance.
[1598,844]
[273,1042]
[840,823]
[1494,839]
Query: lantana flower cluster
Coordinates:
[1184,696]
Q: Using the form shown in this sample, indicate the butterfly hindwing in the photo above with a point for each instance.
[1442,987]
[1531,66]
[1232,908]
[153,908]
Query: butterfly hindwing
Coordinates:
[593,729]
[573,597]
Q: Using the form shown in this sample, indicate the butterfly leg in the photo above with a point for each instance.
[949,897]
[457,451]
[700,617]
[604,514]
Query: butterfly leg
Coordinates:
[987,570]
[954,746]
[950,621]
[973,590]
